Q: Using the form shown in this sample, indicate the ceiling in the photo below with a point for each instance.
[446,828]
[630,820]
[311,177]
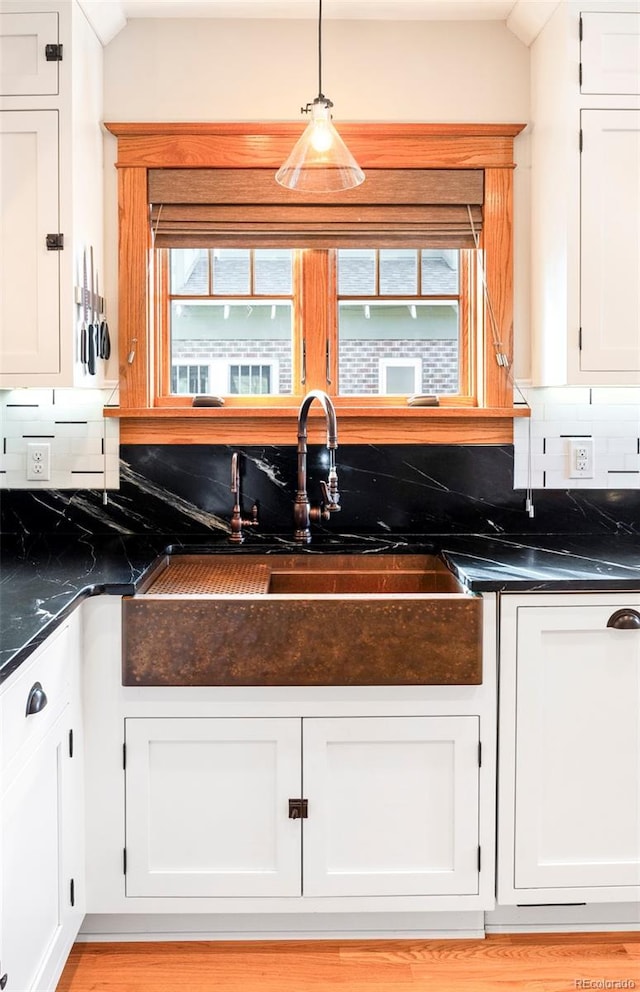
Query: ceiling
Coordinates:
[524,17]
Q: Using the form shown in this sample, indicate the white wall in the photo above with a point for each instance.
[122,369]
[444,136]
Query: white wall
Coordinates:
[373,70]
[83,444]
[606,418]
[263,70]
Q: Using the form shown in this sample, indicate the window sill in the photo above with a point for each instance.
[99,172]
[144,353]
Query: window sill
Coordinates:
[277,425]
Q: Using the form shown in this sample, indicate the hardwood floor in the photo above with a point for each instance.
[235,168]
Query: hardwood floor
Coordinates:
[522,963]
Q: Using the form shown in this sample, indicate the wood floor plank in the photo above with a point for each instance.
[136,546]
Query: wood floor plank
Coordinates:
[500,963]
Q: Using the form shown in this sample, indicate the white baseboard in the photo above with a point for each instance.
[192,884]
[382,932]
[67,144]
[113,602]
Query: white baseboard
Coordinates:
[612,917]
[564,919]
[343,926]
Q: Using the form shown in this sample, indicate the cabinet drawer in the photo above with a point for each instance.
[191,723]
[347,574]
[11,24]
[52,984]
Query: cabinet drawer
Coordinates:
[49,667]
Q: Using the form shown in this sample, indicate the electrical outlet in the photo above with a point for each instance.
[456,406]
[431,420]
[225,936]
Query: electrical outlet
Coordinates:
[38,462]
[581,458]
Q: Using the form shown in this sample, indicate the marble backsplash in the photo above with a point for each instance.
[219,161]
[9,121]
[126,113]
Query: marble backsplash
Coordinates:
[385,490]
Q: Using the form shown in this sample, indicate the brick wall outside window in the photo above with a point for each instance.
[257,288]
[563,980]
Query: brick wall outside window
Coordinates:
[359,361]
[201,351]
[360,364]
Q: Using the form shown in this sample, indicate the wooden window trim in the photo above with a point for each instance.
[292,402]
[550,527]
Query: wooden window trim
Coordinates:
[377,420]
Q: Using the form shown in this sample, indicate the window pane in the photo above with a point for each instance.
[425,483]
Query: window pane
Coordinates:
[398,271]
[189,379]
[250,379]
[400,379]
[440,271]
[356,272]
[272,271]
[189,271]
[371,333]
[231,269]
[221,334]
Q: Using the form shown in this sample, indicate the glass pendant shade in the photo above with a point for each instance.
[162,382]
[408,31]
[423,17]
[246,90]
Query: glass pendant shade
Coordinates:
[320,162]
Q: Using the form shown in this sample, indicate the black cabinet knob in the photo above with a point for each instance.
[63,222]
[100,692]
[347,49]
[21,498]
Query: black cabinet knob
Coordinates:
[36,701]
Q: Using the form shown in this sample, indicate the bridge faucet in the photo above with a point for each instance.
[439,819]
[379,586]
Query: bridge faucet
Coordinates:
[303,512]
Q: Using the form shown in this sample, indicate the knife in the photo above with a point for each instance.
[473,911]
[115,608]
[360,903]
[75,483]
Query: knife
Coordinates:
[93,331]
[104,340]
[85,310]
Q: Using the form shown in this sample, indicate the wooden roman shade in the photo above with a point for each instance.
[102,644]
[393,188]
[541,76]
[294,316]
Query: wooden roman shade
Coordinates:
[239,207]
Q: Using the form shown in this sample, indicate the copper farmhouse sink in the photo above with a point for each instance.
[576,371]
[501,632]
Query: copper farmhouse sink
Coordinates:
[302,619]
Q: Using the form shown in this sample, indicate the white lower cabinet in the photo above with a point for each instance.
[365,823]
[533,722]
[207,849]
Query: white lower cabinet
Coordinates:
[370,806]
[569,760]
[41,816]
[206,807]
[32,886]
[393,806]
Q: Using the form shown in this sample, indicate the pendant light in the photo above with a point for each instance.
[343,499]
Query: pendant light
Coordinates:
[320,162]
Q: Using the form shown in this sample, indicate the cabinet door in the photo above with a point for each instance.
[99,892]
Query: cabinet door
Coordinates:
[24,69]
[392,806]
[29,273]
[610,241]
[207,807]
[577,769]
[610,53]
[34,896]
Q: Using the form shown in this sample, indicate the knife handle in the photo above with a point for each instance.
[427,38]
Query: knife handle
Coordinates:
[91,350]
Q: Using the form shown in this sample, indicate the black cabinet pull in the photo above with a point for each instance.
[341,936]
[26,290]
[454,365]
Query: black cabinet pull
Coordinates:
[626,619]
[37,701]
[4,980]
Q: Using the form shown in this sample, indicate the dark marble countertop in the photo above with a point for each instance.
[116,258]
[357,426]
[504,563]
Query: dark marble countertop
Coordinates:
[43,579]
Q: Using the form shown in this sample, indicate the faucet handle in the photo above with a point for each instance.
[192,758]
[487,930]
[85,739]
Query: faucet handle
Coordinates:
[330,495]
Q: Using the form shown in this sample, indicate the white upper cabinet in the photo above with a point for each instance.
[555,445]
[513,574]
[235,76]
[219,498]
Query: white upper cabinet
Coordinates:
[29,273]
[610,52]
[585,195]
[28,61]
[610,241]
[51,190]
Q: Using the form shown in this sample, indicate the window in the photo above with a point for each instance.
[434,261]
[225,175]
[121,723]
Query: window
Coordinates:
[233,309]
[386,276]
[399,321]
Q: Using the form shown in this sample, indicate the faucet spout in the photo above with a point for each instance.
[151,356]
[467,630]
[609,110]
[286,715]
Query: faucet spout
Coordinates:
[303,512]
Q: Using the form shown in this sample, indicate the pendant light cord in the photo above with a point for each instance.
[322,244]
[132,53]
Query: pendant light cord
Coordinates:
[320,93]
